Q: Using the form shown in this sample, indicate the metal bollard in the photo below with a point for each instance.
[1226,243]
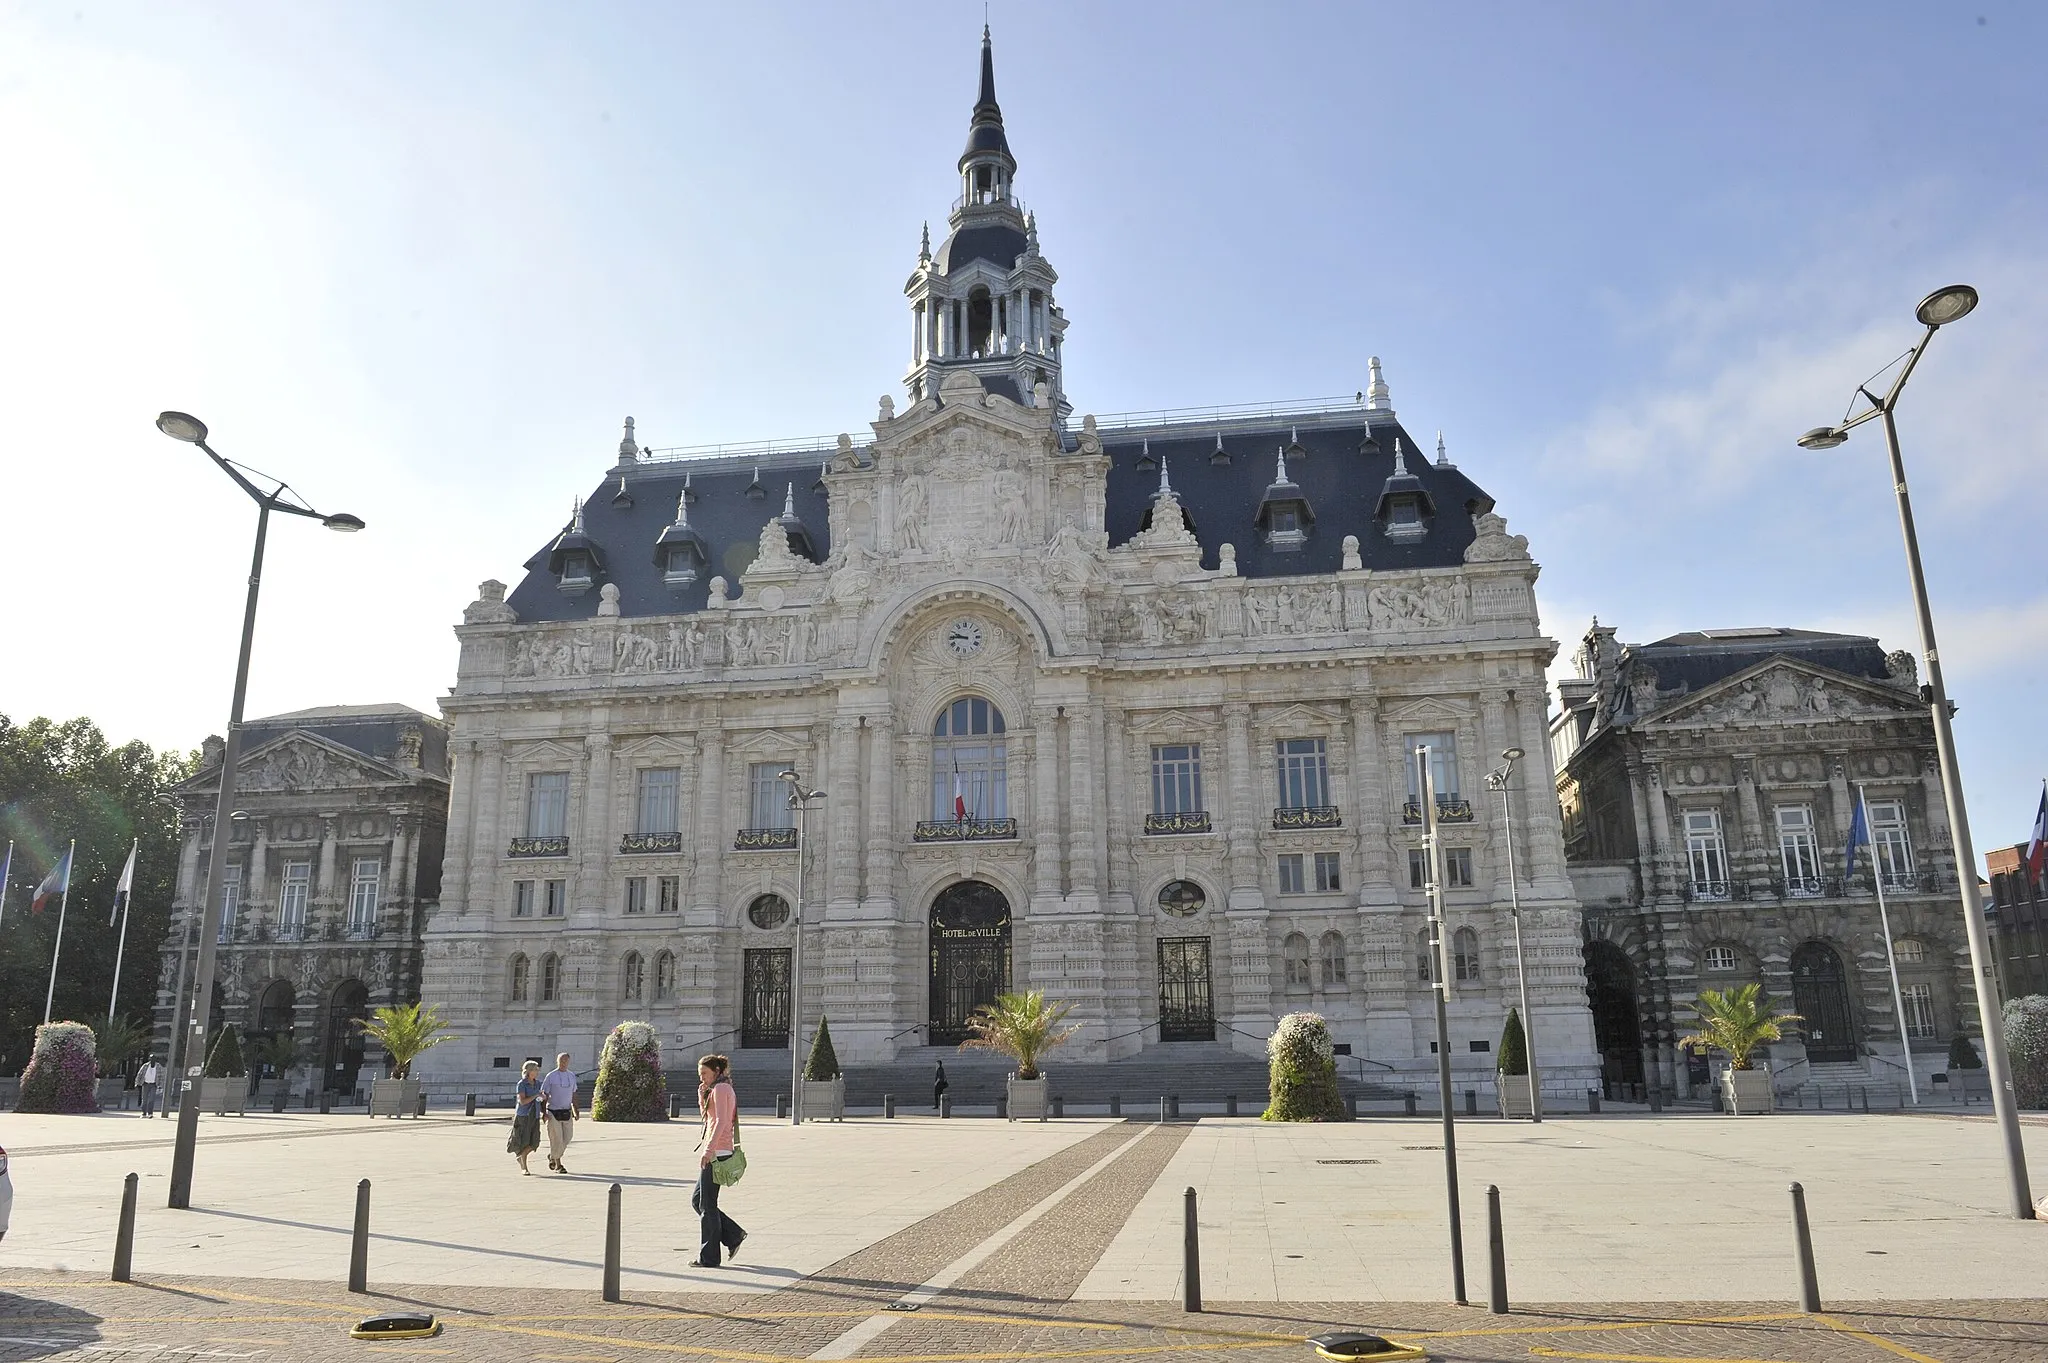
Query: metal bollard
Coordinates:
[1002,1105]
[1162,1107]
[1351,1103]
[1471,1102]
[1408,1103]
[945,1105]
[611,1244]
[325,1099]
[124,1234]
[1497,1255]
[1866,1096]
[781,1107]
[1230,1105]
[1592,1100]
[675,1105]
[469,1105]
[1173,1105]
[1720,1103]
[359,1243]
[1809,1286]
[421,1110]
[889,1106]
[1116,1105]
[1059,1106]
[1656,1097]
[1190,1255]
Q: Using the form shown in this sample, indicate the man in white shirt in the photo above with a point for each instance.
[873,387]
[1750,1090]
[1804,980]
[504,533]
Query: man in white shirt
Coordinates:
[151,1079]
[558,1095]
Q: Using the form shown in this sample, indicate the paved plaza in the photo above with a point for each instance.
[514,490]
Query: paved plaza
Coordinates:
[1628,1237]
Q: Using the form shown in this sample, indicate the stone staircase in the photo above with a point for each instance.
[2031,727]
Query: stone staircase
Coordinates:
[1877,1081]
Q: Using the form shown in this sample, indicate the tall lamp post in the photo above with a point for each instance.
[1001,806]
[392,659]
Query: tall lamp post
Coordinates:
[800,799]
[1937,310]
[1498,778]
[280,497]
[1439,964]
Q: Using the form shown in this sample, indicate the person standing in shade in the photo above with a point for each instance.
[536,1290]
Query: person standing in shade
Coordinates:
[721,1105]
[151,1080]
[558,1091]
[525,1137]
[939,1086]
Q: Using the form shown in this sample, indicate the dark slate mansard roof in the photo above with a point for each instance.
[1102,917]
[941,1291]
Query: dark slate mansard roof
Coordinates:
[1685,664]
[1341,482]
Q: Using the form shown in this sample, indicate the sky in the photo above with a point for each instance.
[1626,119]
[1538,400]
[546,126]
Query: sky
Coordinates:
[421,261]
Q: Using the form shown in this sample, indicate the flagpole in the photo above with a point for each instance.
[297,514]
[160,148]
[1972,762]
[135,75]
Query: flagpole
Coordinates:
[121,948]
[50,996]
[6,869]
[1891,959]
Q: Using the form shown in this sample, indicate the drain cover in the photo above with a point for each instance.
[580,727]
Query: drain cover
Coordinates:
[1422,1147]
[398,1325]
[905,1305]
[1347,1161]
[1353,1344]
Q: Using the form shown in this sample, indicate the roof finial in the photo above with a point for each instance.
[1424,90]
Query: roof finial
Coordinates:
[1400,460]
[575,515]
[924,245]
[1443,459]
[1376,395]
[789,500]
[628,449]
[1280,469]
[1165,487]
[683,503]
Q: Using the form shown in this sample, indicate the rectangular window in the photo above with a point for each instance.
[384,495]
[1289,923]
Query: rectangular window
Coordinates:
[547,804]
[1443,764]
[522,899]
[1919,1001]
[1706,855]
[669,894]
[654,808]
[636,894]
[291,900]
[1418,868]
[1798,852]
[1457,868]
[555,901]
[1890,843]
[768,796]
[1290,874]
[1304,773]
[1326,871]
[230,901]
[1177,778]
[366,883]
[1720,960]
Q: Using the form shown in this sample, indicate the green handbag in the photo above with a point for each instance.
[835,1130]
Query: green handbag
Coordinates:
[728,1171]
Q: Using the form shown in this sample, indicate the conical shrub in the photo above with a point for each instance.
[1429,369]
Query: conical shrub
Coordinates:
[1303,1082]
[1514,1046]
[822,1065]
[225,1061]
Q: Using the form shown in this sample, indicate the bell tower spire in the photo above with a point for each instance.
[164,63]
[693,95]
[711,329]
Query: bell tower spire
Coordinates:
[982,301]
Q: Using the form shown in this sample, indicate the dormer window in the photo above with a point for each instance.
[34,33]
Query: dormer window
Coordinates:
[681,568]
[1285,517]
[574,558]
[576,572]
[1405,506]
[1285,520]
[681,553]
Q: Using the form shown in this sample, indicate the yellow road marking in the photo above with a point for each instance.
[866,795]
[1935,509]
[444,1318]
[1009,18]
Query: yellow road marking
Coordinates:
[1868,1338]
[1649,1358]
[1604,1326]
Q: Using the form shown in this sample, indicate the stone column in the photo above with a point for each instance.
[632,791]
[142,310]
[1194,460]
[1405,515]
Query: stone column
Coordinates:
[190,829]
[1368,814]
[1242,838]
[330,892]
[259,871]
[1660,822]
[1117,823]
[1045,810]
[842,813]
[687,802]
[1084,740]
[401,877]
[592,849]
[1493,734]
[461,808]
[1544,825]
[881,808]
[715,825]
[487,843]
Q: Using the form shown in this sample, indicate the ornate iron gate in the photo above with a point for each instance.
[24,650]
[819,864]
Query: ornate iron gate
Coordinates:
[970,956]
[1617,1015]
[1820,995]
[764,999]
[1187,1006]
[344,1055]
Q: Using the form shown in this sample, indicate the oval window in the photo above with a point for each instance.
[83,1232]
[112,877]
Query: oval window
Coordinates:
[768,911]
[1182,898]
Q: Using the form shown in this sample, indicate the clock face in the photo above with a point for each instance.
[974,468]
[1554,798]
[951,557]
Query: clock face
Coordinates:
[964,637]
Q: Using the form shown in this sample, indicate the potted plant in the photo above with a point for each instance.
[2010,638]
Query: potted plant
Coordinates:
[1736,1022]
[1512,1070]
[630,1084]
[405,1031]
[59,1077]
[1023,1027]
[824,1087]
[1301,1082]
[224,1080]
[1963,1064]
[280,1053]
[114,1044]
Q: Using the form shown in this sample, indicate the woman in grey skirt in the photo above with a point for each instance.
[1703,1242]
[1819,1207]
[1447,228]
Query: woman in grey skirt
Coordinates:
[525,1137]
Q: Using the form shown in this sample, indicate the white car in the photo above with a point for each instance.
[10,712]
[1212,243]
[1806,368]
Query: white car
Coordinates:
[6,1194]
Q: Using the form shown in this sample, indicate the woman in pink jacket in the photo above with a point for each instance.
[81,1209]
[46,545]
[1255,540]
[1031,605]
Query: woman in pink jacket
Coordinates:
[721,1133]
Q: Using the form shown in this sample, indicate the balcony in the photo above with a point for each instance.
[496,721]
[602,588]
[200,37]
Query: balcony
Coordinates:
[291,930]
[651,842]
[538,847]
[1802,887]
[764,840]
[964,830]
[362,930]
[1449,809]
[1186,821]
[1708,891]
[1308,816]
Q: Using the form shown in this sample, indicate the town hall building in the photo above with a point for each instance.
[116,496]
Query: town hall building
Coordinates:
[1116,709]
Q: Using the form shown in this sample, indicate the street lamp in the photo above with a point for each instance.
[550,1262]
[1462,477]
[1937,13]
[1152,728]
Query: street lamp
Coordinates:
[1498,779]
[1425,785]
[799,800]
[1935,311]
[192,431]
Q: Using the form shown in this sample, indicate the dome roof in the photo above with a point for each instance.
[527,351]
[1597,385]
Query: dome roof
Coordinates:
[998,243]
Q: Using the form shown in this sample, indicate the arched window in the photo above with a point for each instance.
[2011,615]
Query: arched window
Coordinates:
[550,978]
[768,911]
[1909,951]
[633,977]
[1295,952]
[1333,959]
[519,976]
[665,975]
[1465,955]
[969,768]
[1425,958]
[1720,960]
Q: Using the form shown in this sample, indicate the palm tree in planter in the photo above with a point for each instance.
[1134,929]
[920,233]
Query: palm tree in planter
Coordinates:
[405,1031]
[281,1053]
[1736,1022]
[1023,1027]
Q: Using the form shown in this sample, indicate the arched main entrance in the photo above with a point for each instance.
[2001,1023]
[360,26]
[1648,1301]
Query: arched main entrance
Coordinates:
[1617,1021]
[1820,995]
[970,956]
[344,1053]
[274,1013]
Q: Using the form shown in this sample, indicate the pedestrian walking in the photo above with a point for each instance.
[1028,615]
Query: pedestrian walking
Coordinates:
[558,1091]
[151,1079]
[721,1106]
[525,1138]
[939,1086]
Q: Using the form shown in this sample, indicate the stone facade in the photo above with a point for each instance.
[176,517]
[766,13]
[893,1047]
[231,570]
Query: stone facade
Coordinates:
[2018,908]
[1707,788]
[330,877]
[1117,710]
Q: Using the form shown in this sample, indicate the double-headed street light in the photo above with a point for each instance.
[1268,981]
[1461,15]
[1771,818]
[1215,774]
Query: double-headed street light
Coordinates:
[1937,310]
[280,497]
[800,798]
[1498,779]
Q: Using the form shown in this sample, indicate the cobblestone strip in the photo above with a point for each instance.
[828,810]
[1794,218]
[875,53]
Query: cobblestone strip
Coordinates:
[411,1124]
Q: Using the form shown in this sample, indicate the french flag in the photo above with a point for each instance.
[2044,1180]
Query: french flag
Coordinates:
[959,800]
[55,883]
[2037,844]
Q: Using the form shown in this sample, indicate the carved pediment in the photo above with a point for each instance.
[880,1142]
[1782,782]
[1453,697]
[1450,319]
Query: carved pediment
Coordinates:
[302,761]
[1172,724]
[1298,717]
[1781,691]
[542,750]
[657,745]
[1426,711]
[776,742]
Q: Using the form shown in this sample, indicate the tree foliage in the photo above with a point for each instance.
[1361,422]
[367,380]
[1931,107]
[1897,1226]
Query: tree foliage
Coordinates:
[117,1042]
[1302,1086]
[2026,1042]
[60,781]
[1021,1026]
[1736,1021]
[630,1084]
[61,1072]
[1514,1046]
[822,1064]
[405,1031]
[1962,1055]
[225,1061]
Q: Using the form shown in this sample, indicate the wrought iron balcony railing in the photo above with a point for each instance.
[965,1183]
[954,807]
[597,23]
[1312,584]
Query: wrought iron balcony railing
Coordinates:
[1308,816]
[1186,821]
[964,830]
[539,847]
[1449,809]
[651,842]
[1803,887]
[764,840]
[1708,891]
